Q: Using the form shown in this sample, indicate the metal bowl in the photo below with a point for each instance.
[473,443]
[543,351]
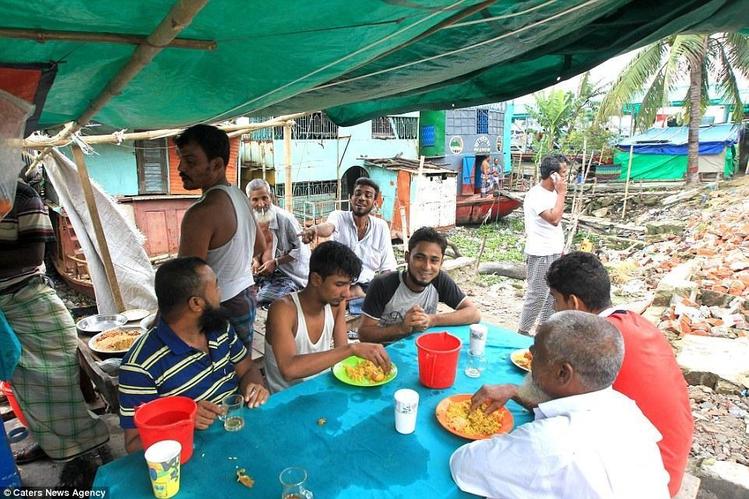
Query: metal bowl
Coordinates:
[92,343]
[100,322]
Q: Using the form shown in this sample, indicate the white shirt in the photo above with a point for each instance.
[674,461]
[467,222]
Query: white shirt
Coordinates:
[541,237]
[375,250]
[596,445]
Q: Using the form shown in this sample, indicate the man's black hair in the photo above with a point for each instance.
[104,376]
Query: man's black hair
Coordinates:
[213,141]
[367,182]
[583,275]
[331,258]
[177,281]
[551,164]
[429,235]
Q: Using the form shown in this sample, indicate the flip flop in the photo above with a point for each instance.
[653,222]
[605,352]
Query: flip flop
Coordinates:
[29,454]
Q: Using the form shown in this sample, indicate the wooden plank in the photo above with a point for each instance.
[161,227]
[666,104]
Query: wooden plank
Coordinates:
[101,241]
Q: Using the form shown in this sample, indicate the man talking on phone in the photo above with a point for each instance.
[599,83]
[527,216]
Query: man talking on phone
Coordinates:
[543,208]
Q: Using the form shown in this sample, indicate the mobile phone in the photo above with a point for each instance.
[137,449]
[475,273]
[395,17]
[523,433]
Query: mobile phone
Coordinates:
[555,177]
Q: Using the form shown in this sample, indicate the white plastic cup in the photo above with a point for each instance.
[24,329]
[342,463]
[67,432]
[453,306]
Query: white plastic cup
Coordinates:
[163,467]
[478,333]
[406,406]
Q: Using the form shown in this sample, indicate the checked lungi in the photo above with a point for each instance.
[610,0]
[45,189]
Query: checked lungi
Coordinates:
[274,287]
[242,309]
[538,303]
[46,381]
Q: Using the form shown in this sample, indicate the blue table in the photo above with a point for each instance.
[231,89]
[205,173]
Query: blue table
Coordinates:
[357,453]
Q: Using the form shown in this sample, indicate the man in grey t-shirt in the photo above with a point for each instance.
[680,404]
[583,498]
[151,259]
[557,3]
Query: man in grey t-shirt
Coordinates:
[399,304]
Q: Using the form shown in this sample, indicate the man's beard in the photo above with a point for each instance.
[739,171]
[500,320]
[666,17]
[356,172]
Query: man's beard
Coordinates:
[416,280]
[263,216]
[531,393]
[214,319]
[357,210]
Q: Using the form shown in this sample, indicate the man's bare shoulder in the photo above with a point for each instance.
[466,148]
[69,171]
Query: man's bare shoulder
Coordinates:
[282,307]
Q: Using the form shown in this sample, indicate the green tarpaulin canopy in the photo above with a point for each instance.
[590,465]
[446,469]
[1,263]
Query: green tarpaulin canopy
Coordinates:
[354,58]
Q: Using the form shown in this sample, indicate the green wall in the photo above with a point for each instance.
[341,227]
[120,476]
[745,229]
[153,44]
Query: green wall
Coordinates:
[113,167]
[432,125]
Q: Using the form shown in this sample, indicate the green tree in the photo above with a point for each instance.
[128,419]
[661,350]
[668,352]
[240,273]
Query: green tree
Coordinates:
[659,68]
[553,112]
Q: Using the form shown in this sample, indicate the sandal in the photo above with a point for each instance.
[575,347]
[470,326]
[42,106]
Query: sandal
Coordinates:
[29,454]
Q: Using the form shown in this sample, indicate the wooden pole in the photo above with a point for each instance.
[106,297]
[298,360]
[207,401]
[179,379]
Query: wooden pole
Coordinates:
[42,36]
[404,227]
[101,241]
[629,173]
[288,187]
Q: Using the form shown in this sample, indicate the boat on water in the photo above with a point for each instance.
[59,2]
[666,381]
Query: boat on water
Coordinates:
[472,209]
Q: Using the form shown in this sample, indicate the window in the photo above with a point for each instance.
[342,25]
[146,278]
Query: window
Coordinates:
[316,126]
[482,121]
[395,127]
[151,158]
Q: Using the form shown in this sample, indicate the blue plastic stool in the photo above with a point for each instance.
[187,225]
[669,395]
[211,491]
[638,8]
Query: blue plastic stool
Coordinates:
[9,477]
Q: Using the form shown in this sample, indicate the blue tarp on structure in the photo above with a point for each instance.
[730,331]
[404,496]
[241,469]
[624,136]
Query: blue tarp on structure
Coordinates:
[673,140]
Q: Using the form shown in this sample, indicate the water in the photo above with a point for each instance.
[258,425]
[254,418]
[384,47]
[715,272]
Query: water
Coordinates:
[233,423]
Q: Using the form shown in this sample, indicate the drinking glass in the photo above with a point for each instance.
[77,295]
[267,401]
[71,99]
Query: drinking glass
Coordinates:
[231,408]
[293,480]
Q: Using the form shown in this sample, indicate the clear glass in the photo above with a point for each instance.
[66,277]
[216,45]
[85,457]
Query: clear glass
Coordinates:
[475,366]
[231,409]
[293,480]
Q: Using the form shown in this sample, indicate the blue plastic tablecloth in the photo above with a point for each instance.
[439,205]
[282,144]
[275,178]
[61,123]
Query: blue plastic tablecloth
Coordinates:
[356,453]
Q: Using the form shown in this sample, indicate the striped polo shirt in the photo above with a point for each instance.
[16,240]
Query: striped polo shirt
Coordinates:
[26,223]
[160,364]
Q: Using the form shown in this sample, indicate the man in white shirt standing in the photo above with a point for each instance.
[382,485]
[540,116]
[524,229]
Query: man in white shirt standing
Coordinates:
[587,440]
[368,237]
[543,208]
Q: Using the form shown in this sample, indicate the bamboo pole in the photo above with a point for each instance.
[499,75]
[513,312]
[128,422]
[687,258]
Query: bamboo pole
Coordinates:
[101,241]
[113,138]
[629,173]
[288,198]
[42,36]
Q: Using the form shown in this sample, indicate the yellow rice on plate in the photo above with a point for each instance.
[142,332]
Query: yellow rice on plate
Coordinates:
[477,423]
[365,371]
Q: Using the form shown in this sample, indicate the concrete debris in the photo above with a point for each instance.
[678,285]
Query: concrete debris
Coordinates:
[722,357]
[725,479]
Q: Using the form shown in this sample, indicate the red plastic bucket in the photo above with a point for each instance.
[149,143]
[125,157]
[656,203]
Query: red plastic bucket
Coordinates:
[167,418]
[438,359]
[8,391]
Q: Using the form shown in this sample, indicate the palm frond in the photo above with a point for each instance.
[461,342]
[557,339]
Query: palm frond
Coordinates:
[652,101]
[633,78]
[737,48]
[728,84]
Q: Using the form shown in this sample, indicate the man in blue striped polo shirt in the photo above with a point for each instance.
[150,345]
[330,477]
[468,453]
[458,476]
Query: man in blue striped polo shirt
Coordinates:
[193,351]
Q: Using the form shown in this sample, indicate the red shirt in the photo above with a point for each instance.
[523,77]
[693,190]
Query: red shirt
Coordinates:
[651,377]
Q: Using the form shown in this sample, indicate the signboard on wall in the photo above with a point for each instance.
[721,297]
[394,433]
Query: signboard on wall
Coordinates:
[456,144]
[482,145]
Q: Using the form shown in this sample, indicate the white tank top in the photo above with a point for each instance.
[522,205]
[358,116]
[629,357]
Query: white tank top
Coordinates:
[276,383]
[232,262]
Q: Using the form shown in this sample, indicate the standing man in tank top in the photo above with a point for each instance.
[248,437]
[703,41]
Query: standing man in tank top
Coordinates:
[306,333]
[220,227]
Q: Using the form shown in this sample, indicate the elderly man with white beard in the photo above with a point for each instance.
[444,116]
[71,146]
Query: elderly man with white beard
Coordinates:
[587,440]
[284,266]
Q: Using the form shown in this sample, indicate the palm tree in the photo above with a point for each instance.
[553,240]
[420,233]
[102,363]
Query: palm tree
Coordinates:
[658,68]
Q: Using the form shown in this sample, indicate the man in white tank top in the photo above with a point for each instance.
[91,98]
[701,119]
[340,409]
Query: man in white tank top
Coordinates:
[301,326]
[220,227]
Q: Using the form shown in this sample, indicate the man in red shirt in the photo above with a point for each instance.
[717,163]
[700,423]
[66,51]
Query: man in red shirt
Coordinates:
[649,374]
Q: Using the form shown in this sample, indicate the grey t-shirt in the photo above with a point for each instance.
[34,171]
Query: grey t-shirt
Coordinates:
[388,298]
